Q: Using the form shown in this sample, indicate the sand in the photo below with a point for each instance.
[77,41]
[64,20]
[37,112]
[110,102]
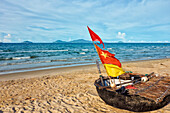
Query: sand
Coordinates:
[69,90]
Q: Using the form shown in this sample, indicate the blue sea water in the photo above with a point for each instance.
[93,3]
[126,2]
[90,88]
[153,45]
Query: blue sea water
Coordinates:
[17,56]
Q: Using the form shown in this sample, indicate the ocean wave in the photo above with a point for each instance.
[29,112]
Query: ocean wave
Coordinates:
[53,50]
[82,53]
[35,51]
[85,49]
[109,48]
[58,60]
[129,49]
[39,62]
[85,56]
[74,58]
[5,59]
[19,63]
[34,56]
[18,58]
[7,52]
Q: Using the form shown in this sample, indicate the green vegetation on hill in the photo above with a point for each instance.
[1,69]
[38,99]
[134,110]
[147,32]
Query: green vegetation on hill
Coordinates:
[27,42]
[74,41]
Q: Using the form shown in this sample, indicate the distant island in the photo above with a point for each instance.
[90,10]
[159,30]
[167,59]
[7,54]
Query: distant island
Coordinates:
[27,42]
[120,42]
[60,41]
[74,41]
[80,41]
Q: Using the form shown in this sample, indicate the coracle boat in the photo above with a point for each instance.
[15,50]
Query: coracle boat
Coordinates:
[140,96]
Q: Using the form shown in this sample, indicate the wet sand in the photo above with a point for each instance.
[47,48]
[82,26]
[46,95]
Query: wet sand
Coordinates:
[68,89]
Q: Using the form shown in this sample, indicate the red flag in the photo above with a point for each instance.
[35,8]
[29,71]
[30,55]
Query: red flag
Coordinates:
[95,37]
[106,57]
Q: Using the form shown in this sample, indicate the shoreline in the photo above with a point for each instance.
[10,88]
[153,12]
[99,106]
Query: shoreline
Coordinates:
[3,72]
[40,68]
[44,71]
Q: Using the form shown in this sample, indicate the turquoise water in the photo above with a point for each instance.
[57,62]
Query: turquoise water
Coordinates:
[17,56]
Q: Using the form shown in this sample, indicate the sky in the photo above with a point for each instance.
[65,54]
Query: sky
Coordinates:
[113,20]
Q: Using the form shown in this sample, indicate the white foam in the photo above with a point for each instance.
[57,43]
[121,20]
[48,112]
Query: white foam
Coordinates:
[54,50]
[109,48]
[130,49]
[84,49]
[18,58]
[82,53]
[59,60]
[42,51]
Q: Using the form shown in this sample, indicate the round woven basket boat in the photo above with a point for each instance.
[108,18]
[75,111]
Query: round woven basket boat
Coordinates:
[134,103]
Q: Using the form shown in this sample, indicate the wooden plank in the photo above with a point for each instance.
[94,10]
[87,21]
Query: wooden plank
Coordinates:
[163,94]
[142,90]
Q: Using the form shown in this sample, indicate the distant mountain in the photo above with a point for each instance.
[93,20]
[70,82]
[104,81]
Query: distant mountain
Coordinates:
[74,41]
[80,41]
[27,42]
[60,41]
[120,42]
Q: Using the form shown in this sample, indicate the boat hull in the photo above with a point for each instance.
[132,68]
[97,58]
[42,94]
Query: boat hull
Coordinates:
[134,103]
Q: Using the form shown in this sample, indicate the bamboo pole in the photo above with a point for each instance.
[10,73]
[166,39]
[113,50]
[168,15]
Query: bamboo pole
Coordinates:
[163,94]
[100,75]
[137,80]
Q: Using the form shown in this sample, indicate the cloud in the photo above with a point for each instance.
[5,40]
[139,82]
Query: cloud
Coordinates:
[5,38]
[121,36]
[143,41]
[58,19]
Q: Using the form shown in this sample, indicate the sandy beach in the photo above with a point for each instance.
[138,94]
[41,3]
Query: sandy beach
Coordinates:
[68,90]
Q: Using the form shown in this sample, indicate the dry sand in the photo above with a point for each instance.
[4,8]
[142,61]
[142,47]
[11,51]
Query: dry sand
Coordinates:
[69,90]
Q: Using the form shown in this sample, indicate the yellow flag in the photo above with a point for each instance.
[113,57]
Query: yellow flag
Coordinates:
[113,70]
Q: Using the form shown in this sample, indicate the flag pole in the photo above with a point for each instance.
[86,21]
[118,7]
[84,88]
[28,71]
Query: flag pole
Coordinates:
[100,75]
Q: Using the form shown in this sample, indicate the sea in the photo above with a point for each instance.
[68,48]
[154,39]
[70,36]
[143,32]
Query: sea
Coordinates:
[19,57]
